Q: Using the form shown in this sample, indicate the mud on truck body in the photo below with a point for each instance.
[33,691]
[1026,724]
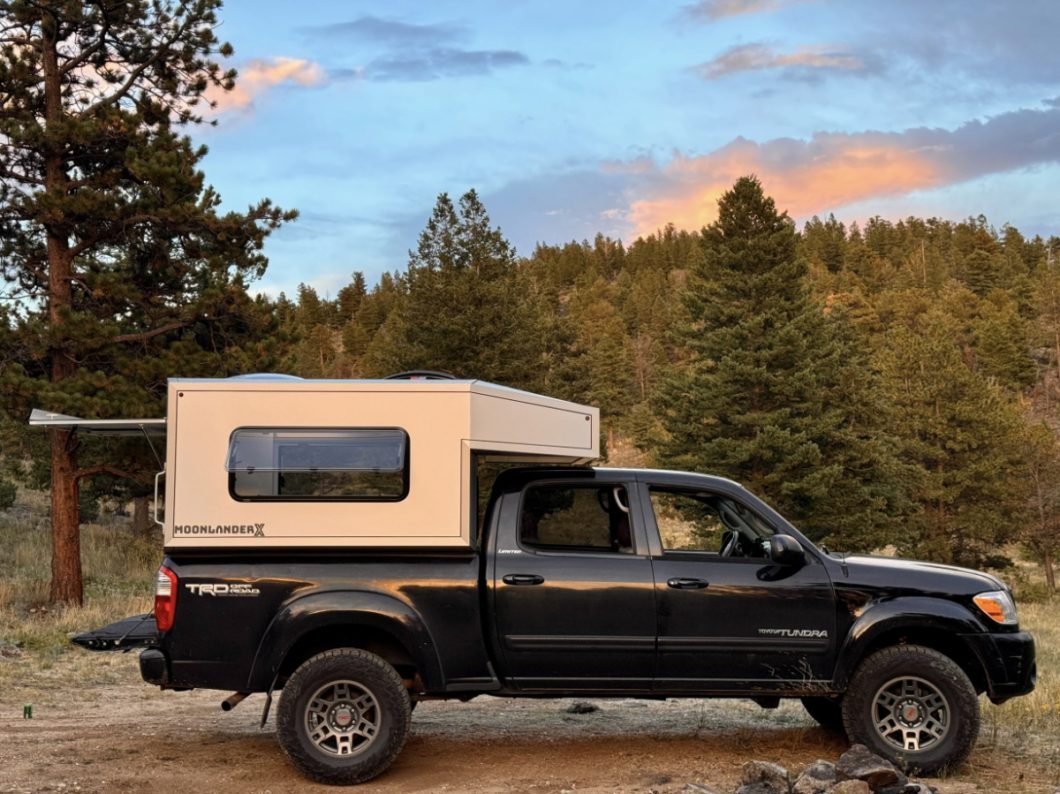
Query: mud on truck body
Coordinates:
[336,541]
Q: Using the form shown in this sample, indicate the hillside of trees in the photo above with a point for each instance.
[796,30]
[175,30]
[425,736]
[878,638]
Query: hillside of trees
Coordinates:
[893,385]
[888,385]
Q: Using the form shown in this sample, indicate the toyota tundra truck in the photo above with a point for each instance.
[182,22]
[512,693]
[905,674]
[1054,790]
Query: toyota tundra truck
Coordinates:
[352,546]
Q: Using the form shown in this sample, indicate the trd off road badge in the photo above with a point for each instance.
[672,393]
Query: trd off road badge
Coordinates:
[220,530]
[224,589]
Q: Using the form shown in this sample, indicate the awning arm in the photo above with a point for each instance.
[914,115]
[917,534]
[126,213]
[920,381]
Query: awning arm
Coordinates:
[101,427]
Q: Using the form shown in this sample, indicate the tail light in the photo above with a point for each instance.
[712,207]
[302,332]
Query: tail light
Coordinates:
[165,598]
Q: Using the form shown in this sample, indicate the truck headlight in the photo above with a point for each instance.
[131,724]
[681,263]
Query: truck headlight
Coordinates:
[998,606]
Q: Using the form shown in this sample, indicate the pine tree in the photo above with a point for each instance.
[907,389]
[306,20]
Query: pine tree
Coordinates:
[1042,532]
[467,308]
[825,242]
[1002,341]
[768,396]
[351,297]
[962,434]
[106,224]
[598,358]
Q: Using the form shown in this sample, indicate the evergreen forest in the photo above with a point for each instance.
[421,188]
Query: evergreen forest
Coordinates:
[891,384]
[883,385]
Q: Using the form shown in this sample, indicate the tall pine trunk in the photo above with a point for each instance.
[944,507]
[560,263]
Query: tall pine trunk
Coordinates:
[66,585]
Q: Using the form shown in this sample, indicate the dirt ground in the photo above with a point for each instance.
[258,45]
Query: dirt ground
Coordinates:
[117,734]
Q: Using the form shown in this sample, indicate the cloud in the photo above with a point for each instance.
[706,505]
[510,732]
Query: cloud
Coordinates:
[259,76]
[954,40]
[438,63]
[830,170]
[407,52]
[753,57]
[714,10]
[392,32]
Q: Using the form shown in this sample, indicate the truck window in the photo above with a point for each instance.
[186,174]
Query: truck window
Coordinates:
[586,518]
[318,464]
[687,522]
[706,522]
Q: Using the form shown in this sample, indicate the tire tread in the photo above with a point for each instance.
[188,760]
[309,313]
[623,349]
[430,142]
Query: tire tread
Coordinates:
[288,718]
[917,659]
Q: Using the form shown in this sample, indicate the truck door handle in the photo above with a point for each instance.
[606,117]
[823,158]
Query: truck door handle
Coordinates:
[522,578]
[682,583]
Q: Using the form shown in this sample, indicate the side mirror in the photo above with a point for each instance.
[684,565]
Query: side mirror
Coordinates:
[785,550]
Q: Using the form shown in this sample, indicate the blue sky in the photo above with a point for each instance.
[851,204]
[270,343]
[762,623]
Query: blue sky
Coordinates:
[572,118]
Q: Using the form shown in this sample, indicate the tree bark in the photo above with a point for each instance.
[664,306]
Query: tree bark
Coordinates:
[141,523]
[66,584]
[1050,575]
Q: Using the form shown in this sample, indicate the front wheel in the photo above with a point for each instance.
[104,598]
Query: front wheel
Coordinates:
[914,706]
[344,716]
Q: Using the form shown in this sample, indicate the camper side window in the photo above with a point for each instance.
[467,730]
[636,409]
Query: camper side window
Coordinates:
[318,464]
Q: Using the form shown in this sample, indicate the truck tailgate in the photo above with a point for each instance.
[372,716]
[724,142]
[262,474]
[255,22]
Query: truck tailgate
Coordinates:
[138,631]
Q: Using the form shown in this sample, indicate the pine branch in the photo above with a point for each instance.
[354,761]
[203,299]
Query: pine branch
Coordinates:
[123,90]
[89,51]
[104,468]
[143,337]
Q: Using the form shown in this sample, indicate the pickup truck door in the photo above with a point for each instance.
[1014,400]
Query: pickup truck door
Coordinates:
[729,619]
[572,588]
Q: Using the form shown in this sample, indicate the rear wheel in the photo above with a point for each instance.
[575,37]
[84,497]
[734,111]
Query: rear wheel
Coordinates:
[827,711]
[343,717]
[914,706]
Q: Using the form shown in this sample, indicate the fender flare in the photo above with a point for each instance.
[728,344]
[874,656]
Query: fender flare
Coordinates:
[345,609]
[908,613]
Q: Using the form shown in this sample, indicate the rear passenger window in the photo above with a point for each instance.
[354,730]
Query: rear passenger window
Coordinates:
[586,518]
[318,464]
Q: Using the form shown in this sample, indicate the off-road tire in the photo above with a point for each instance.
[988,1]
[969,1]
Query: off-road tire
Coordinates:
[828,712]
[921,685]
[325,677]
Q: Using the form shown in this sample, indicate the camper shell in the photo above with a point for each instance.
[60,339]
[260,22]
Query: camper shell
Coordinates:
[276,461]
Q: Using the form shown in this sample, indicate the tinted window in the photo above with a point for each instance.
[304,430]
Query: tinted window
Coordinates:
[323,464]
[591,518]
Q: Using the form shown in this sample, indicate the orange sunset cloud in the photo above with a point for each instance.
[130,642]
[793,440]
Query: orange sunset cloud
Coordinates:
[836,170]
[830,170]
[258,76]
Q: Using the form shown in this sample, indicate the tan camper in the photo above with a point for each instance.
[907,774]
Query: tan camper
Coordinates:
[277,461]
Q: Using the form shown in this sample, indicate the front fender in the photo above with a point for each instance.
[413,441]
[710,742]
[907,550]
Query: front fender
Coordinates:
[915,614]
[345,610]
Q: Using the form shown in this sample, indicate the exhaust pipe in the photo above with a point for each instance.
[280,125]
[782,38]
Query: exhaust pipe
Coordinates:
[233,700]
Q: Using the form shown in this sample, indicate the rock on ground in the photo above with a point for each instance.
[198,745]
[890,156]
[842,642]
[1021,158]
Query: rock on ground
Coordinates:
[859,763]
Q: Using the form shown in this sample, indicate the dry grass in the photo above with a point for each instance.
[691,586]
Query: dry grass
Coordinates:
[1030,725]
[118,572]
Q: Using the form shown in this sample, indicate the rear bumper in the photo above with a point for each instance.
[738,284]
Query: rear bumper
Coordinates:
[1009,663]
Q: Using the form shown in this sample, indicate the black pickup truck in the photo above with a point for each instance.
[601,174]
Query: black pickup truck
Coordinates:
[588,582]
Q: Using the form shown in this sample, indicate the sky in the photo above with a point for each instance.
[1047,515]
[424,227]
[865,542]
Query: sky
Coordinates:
[577,118]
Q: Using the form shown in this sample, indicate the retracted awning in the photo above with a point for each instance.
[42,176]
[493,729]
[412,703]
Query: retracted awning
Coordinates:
[99,427]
